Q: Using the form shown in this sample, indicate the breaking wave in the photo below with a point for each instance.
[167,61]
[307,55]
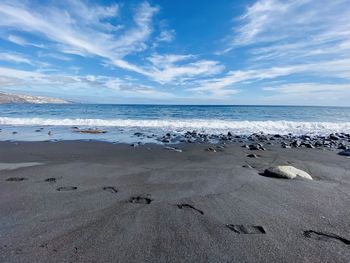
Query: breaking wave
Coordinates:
[203,125]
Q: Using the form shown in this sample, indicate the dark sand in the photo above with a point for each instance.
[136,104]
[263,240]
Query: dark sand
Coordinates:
[116,203]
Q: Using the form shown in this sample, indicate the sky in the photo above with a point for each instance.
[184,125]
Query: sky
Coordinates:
[262,52]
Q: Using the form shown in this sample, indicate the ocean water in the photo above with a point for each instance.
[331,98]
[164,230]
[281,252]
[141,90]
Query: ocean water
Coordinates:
[23,121]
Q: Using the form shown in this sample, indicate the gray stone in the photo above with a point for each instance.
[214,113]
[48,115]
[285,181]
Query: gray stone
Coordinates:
[287,172]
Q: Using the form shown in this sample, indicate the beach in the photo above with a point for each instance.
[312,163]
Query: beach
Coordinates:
[76,201]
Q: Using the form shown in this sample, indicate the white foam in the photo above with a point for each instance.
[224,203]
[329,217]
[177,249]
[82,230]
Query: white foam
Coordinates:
[204,125]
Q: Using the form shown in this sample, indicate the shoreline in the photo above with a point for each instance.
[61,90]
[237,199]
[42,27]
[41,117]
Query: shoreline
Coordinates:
[255,141]
[102,202]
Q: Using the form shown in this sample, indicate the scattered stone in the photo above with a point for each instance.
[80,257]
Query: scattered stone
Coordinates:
[308,145]
[256,147]
[173,149]
[136,144]
[296,143]
[333,137]
[345,152]
[210,149]
[141,200]
[287,172]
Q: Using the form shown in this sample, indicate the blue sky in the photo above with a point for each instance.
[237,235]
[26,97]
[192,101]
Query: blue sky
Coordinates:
[178,52]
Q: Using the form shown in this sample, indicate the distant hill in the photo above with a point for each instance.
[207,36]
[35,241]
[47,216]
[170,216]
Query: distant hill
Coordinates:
[20,98]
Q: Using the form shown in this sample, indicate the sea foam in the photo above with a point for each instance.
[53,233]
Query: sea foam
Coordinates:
[203,125]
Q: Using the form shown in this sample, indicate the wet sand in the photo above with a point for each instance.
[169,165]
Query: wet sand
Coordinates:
[101,202]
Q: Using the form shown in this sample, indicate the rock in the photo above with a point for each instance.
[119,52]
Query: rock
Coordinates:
[287,172]
[308,145]
[173,149]
[296,143]
[333,137]
[345,152]
[256,147]
[136,144]
[247,166]
[342,147]
[252,155]
[210,149]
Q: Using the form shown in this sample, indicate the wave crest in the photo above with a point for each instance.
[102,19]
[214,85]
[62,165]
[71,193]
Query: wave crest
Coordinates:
[203,125]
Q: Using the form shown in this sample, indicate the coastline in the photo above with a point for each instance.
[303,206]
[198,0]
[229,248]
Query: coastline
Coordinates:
[155,203]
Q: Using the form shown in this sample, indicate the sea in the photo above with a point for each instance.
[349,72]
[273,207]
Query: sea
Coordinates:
[55,122]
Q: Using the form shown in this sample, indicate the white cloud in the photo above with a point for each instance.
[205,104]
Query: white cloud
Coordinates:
[89,36]
[14,58]
[166,36]
[291,31]
[22,42]
[166,68]
[36,81]
[308,94]
[88,31]
[282,38]
[220,85]
[307,88]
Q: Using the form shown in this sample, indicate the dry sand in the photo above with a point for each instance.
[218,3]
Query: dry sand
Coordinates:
[115,203]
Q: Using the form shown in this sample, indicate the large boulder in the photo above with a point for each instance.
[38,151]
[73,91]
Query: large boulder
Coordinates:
[287,172]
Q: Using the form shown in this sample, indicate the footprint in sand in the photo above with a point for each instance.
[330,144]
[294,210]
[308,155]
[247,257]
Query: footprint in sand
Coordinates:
[67,188]
[325,236]
[51,180]
[246,229]
[110,189]
[188,206]
[16,179]
[141,199]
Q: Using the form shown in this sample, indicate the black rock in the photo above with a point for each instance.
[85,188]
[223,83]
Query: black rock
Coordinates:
[333,137]
[345,152]
[308,145]
[296,143]
[165,140]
